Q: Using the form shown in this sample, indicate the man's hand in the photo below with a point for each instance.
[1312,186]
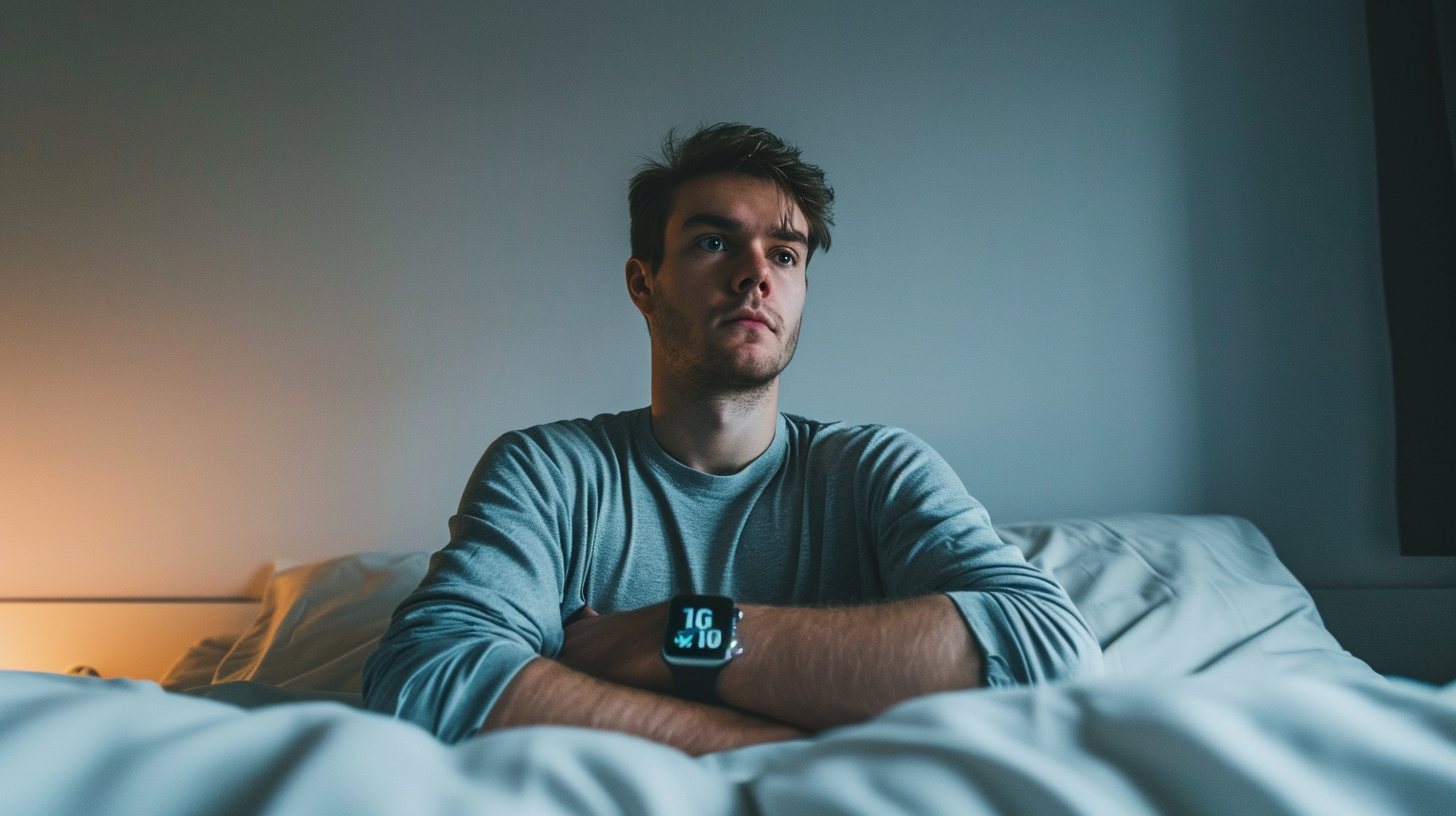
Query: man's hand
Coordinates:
[622,647]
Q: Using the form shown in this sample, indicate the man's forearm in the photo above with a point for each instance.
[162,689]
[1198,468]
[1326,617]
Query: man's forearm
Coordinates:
[814,668]
[819,668]
[545,692]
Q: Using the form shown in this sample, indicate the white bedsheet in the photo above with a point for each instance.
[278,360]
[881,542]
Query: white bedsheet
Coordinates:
[1116,747]
[1276,718]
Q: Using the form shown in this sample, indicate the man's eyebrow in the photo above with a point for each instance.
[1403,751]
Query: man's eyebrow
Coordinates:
[721,222]
[790,235]
[728,224]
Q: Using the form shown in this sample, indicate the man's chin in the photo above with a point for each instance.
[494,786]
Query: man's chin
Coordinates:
[738,376]
[751,377]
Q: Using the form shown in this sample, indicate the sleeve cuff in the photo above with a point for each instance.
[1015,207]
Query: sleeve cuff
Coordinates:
[1020,648]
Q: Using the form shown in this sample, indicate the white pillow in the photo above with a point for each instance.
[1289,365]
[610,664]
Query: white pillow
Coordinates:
[1165,595]
[1169,596]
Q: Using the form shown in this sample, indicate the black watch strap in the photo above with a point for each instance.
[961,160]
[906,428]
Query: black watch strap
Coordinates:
[696,683]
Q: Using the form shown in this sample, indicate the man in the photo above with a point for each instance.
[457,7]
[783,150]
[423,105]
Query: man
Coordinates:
[708,572]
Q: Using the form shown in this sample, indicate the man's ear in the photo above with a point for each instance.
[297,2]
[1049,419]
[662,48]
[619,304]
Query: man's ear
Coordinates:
[639,285]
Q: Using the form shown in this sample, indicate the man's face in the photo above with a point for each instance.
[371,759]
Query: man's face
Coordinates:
[724,306]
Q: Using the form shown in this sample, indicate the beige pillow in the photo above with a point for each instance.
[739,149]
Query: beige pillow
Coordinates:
[318,624]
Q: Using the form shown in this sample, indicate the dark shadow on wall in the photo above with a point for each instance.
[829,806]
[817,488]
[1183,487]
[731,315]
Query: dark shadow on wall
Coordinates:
[1294,362]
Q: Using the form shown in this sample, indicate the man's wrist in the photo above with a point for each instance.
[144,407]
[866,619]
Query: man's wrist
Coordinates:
[700,638]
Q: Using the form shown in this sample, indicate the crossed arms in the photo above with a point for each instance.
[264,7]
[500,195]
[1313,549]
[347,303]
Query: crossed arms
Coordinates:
[802,670]
[892,521]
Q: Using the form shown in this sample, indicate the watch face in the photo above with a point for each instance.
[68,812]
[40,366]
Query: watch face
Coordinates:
[699,627]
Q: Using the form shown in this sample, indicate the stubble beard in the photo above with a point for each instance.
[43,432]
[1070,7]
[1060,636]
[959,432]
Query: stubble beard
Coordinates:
[711,372]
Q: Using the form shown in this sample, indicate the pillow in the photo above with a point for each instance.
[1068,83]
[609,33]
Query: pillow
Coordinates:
[1165,595]
[1175,595]
[317,625]
[198,665]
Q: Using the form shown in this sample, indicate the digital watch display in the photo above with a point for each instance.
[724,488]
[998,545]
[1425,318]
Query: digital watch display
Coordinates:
[701,637]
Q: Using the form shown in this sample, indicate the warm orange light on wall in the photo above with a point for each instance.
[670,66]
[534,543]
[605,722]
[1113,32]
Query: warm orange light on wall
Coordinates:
[119,638]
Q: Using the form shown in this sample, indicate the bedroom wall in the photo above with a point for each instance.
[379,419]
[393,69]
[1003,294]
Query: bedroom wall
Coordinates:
[272,277]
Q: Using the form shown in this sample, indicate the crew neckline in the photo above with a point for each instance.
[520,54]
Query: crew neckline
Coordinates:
[662,461]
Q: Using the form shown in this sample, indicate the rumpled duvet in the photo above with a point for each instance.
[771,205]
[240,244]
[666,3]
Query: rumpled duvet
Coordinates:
[1116,747]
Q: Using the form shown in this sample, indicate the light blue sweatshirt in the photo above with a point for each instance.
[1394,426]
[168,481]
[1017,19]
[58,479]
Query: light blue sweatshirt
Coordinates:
[595,512]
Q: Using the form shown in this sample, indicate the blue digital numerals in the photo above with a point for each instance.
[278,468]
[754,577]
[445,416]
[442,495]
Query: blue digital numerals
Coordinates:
[698,630]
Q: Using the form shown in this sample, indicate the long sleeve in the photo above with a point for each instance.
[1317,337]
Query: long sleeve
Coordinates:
[490,603]
[932,536]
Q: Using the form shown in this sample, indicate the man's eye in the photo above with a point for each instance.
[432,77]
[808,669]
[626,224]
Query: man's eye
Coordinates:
[784,258]
[712,243]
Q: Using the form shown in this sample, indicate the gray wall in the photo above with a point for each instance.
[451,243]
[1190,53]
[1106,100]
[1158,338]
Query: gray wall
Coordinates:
[271,279]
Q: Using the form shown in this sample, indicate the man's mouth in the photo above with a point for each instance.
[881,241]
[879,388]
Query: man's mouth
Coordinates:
[750,317]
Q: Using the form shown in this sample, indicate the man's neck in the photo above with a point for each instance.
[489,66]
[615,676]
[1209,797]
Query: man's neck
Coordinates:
[719,433]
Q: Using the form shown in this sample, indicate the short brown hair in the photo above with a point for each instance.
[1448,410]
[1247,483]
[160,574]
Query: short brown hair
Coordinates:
[726,147]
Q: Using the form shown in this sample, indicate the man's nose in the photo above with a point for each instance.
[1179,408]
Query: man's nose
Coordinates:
[752,274]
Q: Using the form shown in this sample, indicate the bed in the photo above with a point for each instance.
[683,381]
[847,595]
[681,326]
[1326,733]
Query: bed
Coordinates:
[1224,694]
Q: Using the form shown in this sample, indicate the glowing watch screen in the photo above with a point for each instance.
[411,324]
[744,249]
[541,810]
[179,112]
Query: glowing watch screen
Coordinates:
[699,626]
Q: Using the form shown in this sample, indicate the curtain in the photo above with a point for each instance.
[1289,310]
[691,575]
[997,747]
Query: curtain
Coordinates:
[1413,81]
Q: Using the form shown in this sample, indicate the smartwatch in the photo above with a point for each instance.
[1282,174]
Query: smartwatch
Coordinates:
[702,636]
